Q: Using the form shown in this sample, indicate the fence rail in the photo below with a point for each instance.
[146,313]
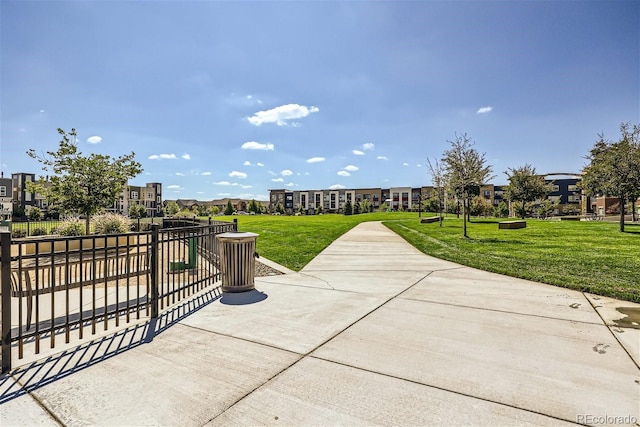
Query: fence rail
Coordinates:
[57,288]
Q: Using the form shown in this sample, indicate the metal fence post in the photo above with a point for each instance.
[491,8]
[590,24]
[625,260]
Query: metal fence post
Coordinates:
[155,248]
[5,263]
[235,223]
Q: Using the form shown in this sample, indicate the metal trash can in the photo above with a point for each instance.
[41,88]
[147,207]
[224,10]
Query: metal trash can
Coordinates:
[237,260]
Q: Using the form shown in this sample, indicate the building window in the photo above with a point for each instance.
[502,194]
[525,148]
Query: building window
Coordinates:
[134,195]
[573,188]
[3,191]
[555,188]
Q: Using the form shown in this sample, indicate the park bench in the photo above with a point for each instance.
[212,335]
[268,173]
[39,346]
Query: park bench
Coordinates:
[510,225]
[430,219]
[30,281]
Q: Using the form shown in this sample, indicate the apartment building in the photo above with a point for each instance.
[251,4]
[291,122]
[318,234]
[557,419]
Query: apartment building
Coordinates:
[150,196]
[6,198]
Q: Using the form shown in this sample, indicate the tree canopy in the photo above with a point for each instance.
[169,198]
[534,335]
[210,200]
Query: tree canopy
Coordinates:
[466,170]
[80,184]
[614,168]
[525,185]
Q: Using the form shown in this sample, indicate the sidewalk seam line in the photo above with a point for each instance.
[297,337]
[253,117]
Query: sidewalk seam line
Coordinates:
[442,389]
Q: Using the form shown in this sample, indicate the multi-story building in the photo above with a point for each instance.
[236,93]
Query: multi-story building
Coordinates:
[22,199]
[6,197]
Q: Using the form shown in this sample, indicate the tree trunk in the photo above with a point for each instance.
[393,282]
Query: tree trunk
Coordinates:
[622,201]
[87,225]
[464,219]
[524,212]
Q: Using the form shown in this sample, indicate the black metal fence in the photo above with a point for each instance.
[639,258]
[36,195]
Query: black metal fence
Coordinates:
[61,288]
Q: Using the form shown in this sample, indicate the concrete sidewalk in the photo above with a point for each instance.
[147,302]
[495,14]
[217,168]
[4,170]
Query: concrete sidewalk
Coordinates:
[371,332]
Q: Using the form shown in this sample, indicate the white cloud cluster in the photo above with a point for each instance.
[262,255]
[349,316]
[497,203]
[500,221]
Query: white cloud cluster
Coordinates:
[248,163]
[236,174]
[369,146]
[382,158]
[186,156]
[337,187]
[344,173]
[206,173]
[358,152]
[232,184]
[280,115]
[253,145]
[316,160]
[286,172]
[484,110]
[162,157]
[351,168]
[94,139]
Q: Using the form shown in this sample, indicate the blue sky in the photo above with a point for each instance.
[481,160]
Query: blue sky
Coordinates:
[231,99]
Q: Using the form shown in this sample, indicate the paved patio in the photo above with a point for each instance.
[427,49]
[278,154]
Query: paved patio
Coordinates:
[371,332]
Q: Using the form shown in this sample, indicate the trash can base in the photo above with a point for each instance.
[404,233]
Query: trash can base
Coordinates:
[235,289]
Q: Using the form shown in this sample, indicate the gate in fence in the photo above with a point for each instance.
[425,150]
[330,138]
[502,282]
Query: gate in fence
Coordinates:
[63,288]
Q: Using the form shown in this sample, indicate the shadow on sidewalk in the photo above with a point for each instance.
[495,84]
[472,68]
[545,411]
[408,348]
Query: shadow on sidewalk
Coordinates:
[33,376]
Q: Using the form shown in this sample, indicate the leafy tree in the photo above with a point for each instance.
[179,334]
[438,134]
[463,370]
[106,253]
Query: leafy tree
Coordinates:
[319,210]
[348,209]
[279,208]
[480,207]
[172,208]
[614,168]
[384,207]
[214,210]
[137,211]
[525,186]
[82,184]
[229,209]
[366,206]
[202,210]
[546,208]
[254,207]
[501,211]
[35,213]
[466,171]
[357,208]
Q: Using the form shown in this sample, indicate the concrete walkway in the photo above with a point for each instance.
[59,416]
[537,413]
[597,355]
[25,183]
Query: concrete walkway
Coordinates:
[371,332]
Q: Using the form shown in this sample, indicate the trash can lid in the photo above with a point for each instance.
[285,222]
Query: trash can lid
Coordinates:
[237,235]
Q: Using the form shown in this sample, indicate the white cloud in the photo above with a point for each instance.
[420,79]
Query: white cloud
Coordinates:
[253,145]
[94,139]
[162,156]
[316,160]
[281,114]
[259,164]
[483,110]
[369,146]
[244,187]
[236,174]
[351,168]
[344,173]
[272,173]
[286,172]
[277,179]
[405,164]
[247,163]
[358,152]
[173,187]
[186,156]
[206,173]
[226,183]
[337,187]
[291,184]
[382,158]
[180,174]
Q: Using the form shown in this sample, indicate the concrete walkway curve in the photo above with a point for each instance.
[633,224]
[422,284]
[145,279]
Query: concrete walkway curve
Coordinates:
[370,332]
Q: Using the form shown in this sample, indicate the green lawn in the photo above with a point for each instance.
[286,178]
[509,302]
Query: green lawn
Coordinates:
[587,256]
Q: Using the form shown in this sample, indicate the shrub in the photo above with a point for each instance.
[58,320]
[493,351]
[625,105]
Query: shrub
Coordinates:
[110,223]
[39,231]
[18,234]
[70,227]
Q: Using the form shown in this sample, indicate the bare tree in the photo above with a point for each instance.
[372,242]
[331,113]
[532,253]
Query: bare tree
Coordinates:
[438,171]
[466,171]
